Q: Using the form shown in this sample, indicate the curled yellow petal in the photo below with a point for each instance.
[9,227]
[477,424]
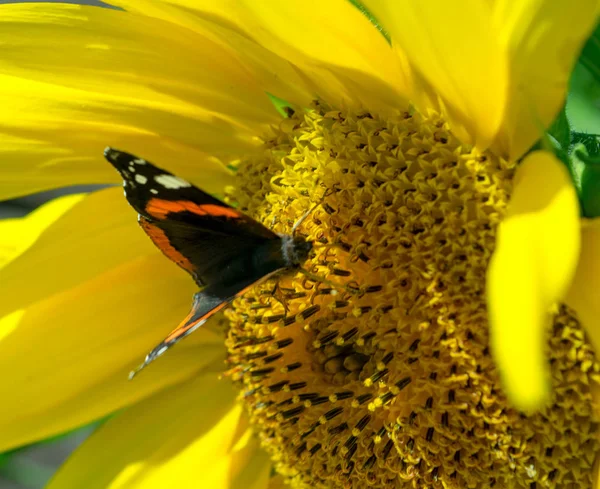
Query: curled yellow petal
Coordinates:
[334,35]
[184,437]
[455,51]
[500,69]
[339,54]
[531,269]
[584,294]
[541,40]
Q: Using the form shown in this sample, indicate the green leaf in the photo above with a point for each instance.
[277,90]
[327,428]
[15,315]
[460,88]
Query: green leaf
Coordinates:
[583,102]
[590,55]
[283,107]
[4,458]
[18,466]
[586,171]
[27,473]
[590,141]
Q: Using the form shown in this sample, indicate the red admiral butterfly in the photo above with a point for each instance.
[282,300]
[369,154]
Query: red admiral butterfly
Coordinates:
[225,251]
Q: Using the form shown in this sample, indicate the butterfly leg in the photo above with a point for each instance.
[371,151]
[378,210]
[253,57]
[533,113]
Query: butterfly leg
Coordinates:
[303,218]
[279,296]
[299,222]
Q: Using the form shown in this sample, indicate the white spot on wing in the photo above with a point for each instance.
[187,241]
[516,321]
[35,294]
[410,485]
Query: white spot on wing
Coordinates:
[171,181]
[153,191]
[141,179]
[139,161]
[131,169]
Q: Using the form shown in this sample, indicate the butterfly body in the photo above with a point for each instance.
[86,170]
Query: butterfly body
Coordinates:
[224,250]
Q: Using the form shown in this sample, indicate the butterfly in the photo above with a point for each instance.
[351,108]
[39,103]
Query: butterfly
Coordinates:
[225,251]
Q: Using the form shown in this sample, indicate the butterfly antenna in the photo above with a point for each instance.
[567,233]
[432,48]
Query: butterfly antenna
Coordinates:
[303,218]
[308,213]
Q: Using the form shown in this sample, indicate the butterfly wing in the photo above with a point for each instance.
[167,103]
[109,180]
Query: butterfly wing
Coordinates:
[198,232]
[223,249]
[206,303]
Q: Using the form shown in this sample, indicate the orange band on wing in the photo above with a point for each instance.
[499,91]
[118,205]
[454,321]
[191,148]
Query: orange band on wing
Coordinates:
[160,208]
[185,326]
[159,238]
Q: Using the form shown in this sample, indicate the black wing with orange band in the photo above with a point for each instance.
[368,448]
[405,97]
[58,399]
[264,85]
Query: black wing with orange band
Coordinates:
[206,303]
[198,232]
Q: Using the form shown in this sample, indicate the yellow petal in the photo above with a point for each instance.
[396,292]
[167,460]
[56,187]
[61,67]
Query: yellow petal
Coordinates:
[455,51]
[584,294]
[532,267]
[214,21]
[122,55]
[541,39]
[254,464]
[184,437]
[16,235]
[69,355]
[334,34]
[500,69]
[341,54]
[115,78]
[95,235]
[93,307]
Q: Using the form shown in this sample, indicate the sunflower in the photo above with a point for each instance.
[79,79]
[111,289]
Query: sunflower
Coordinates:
[445,347]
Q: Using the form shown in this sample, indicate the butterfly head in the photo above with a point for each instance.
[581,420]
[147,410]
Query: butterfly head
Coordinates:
[296,249]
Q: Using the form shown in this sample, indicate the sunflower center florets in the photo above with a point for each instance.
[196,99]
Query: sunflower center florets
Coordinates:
[380,374]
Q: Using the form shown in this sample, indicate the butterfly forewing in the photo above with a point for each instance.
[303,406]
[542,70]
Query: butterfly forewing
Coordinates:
[185,222]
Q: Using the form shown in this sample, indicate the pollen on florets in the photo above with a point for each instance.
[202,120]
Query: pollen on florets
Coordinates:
[380,375]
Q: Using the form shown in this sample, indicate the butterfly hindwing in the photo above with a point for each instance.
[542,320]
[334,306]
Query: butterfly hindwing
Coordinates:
[195,230]
[206,303]
[204,306]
